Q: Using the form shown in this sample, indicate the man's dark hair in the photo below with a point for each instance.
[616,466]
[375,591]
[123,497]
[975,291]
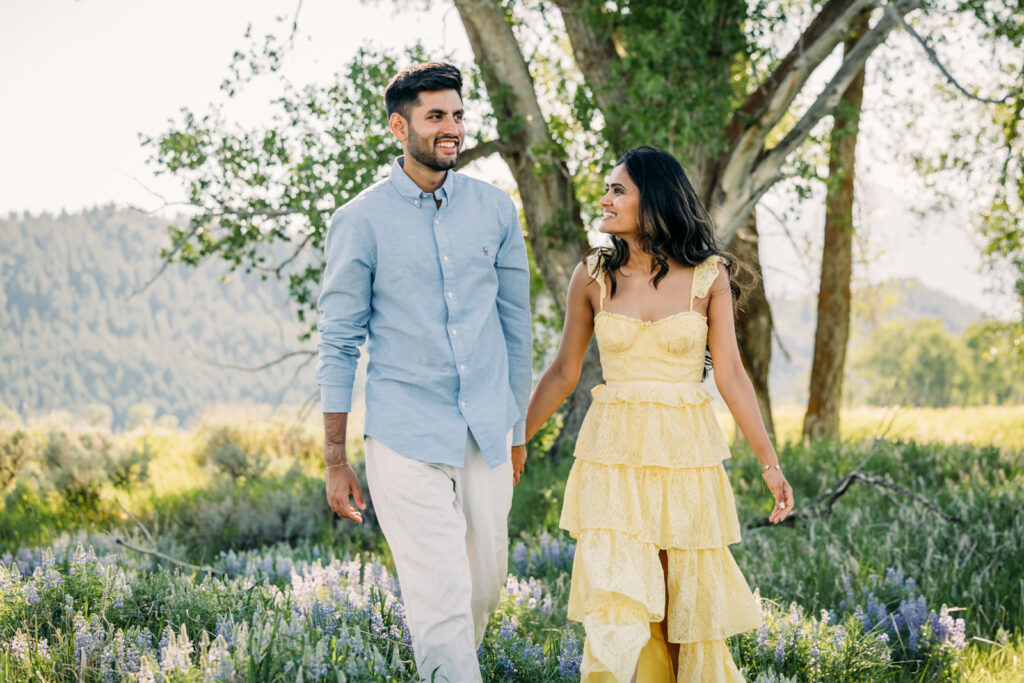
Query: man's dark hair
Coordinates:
[404,89]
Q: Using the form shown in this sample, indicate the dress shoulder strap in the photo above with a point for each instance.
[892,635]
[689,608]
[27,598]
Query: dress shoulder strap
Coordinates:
[596,271]
[703,276]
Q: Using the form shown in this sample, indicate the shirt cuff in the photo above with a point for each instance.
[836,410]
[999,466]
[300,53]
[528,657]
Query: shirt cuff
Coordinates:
[335,399]
[519,433]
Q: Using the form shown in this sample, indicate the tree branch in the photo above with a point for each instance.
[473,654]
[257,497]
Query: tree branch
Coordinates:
[295,254]
[149,537]
[257,368]
[480,151]
[596,57]
[222,211]
[748,173]
[934,58]
[828,99]
[167,558]
[766,106]
[828,499]
[167,261]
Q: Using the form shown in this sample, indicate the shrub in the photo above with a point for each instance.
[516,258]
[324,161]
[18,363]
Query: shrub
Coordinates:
[229,455]
[15,449]
[128,465]
[74,466]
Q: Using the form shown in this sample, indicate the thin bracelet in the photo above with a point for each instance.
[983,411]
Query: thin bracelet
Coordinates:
[336,467]
[765,468]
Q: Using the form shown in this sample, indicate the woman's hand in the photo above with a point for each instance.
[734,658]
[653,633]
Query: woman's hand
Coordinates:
[518,463]
[782,492]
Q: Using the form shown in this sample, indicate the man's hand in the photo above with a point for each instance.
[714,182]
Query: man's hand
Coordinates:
[342,482]
[518,462]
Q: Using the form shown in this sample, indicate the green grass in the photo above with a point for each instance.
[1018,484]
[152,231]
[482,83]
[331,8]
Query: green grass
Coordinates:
[968,462]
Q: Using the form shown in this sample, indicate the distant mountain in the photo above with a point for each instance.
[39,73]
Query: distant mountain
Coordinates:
[70,335]
[904,299]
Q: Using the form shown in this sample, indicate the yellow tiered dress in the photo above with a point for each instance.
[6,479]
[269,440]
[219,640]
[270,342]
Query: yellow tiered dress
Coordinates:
[647,477]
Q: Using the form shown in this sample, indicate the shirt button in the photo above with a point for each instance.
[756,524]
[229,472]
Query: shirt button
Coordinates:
[454,331]
[462,367]
[463,403]
[450,295]
[444,258]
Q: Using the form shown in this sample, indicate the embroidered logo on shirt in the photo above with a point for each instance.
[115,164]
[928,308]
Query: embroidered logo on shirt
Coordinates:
[485,251]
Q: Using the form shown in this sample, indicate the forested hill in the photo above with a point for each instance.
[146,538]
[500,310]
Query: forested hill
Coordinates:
[71,337]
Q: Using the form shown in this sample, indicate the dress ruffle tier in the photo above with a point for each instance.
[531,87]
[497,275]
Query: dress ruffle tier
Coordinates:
[648,477]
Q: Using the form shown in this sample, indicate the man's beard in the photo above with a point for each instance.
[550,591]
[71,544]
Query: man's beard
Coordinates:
[424,151]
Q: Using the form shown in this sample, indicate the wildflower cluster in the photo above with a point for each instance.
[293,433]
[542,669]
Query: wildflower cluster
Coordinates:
[892,605]
[327,618]
[548,556]
[791,643]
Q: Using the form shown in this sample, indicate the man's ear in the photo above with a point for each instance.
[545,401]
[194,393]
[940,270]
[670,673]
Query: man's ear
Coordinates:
[399,126]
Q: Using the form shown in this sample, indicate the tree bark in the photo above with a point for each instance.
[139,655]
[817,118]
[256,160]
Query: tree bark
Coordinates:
[833,326]
[754,323]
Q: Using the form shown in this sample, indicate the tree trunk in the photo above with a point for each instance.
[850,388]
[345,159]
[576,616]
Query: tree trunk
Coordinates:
[754,323]
[833,327]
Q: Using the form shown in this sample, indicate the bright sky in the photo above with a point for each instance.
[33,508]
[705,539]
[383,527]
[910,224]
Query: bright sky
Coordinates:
[81,79]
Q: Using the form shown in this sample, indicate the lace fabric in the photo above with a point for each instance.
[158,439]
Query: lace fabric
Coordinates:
[648,477]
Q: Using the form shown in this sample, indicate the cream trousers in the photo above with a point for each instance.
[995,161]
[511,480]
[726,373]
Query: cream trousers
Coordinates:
[448,531]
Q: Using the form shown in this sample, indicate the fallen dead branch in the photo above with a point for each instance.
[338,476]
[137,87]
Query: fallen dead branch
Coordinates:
[822,505]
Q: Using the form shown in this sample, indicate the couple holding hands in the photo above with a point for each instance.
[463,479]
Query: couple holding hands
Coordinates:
[430,267]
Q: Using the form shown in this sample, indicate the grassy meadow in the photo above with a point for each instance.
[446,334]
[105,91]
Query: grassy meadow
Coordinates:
[209,553]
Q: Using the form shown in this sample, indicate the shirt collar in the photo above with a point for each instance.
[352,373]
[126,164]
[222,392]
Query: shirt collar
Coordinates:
[412,192]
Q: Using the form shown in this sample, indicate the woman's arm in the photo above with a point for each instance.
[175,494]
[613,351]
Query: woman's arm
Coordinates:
[561,377]
[735,387]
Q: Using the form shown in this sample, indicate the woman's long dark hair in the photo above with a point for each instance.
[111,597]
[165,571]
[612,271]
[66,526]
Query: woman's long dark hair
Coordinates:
[672,223]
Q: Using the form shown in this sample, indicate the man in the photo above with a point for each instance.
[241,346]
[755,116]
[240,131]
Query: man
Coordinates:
[431,266]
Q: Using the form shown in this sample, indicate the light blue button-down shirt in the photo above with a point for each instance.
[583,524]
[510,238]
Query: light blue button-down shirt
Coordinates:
[444,296]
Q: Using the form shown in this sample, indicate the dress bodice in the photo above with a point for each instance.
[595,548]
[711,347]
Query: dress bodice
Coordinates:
[667,350]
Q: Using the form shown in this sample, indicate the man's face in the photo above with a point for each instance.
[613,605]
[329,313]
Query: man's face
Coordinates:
[435,130]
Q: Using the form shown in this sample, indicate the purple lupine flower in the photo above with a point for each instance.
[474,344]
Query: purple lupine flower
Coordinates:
[507,668]
[780,651]
[18,647]
[509,625]
[762,638]
[569,657]
[217,662]
[534,654]
[88,636]
[146,672]
[839,638]
[520,557]
[175,655]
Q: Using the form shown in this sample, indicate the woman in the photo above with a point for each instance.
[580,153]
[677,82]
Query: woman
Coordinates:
[647,499]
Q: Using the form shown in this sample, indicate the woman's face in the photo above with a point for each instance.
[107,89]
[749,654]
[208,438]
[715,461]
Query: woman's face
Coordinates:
[621,204]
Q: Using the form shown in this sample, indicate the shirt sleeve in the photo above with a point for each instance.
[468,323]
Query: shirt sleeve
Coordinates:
[344,310]
[514,312]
